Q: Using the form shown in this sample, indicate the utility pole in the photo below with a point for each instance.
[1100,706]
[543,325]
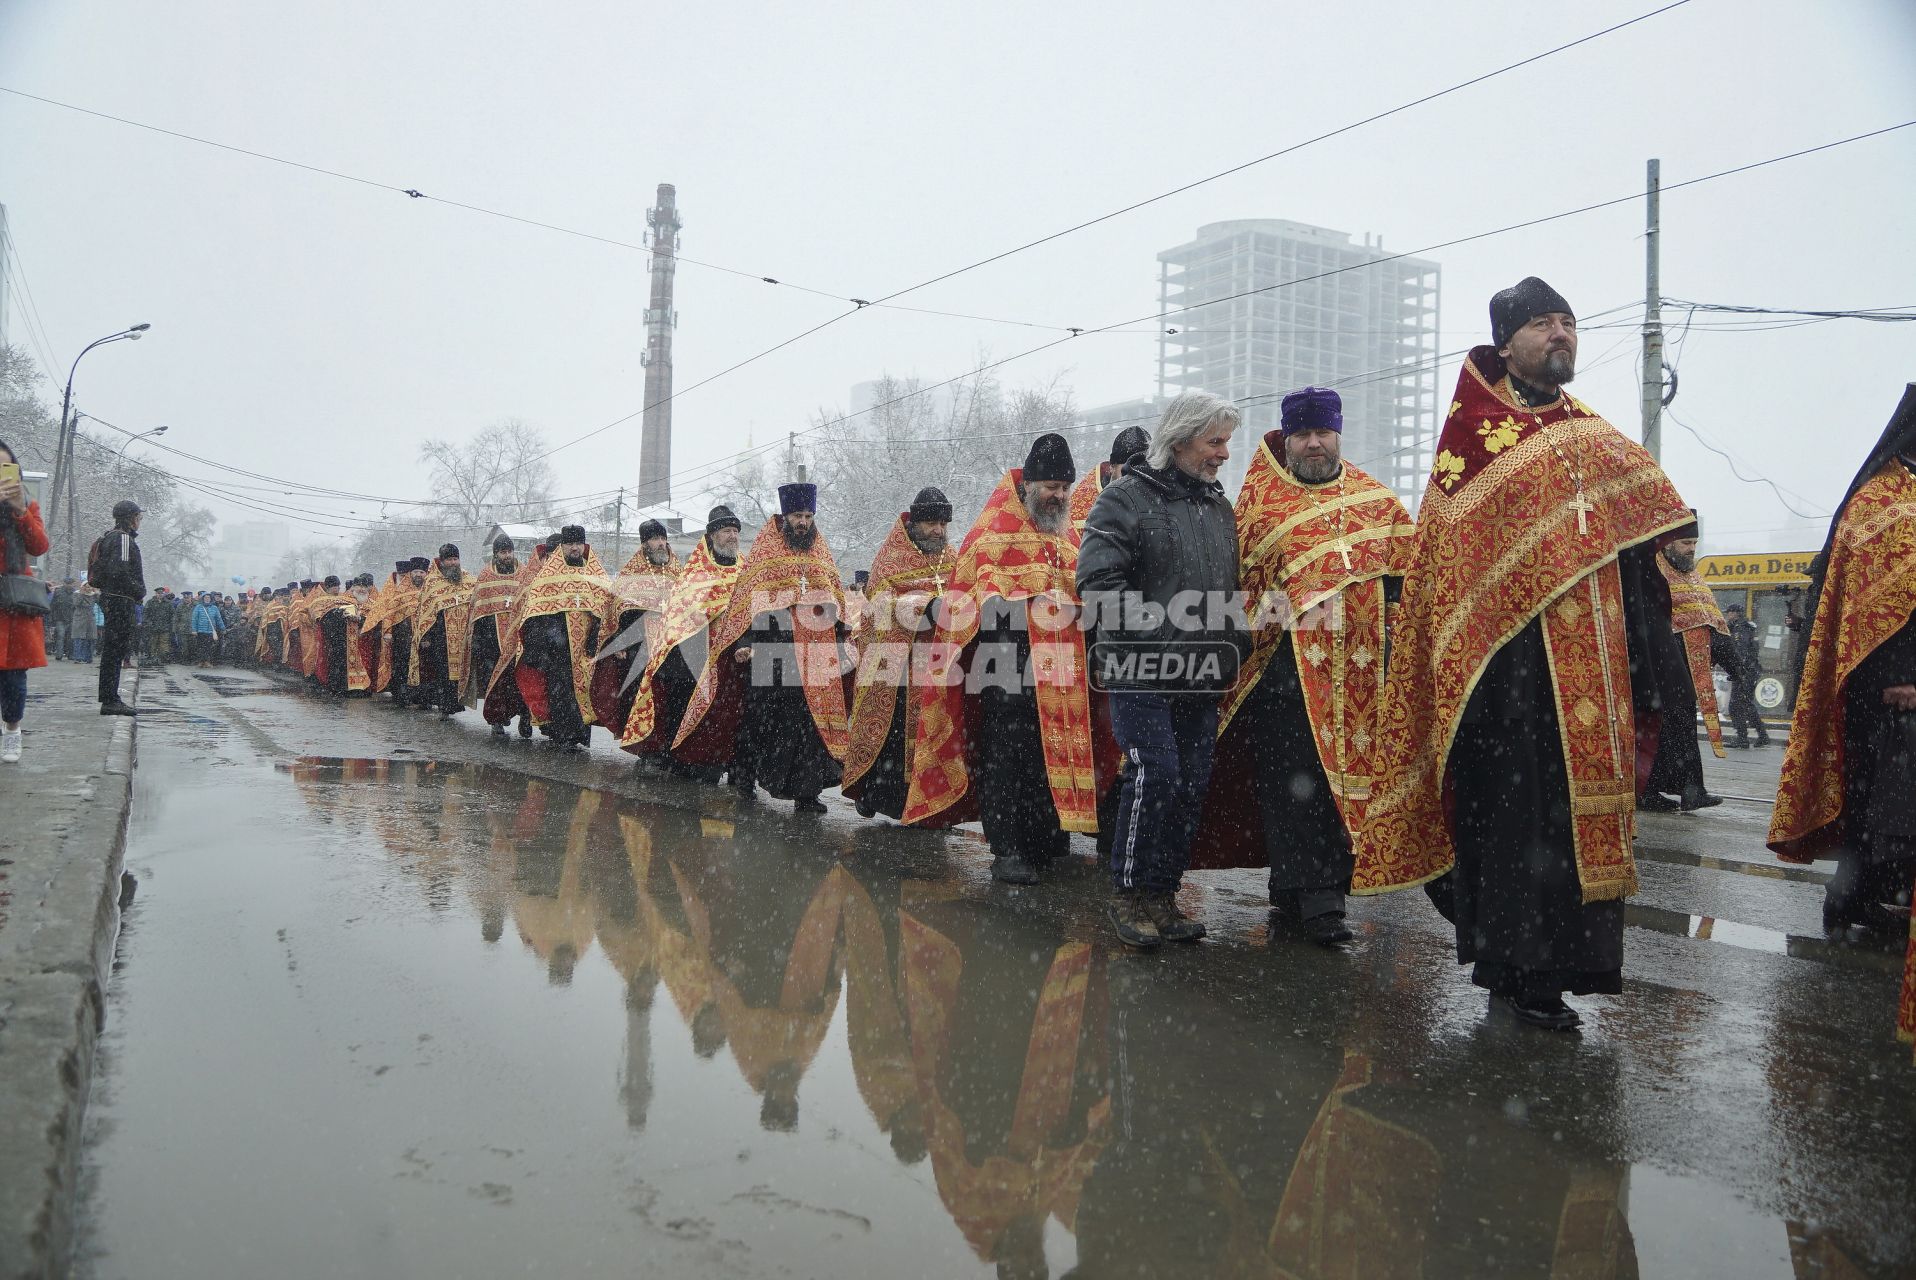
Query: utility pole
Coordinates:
[618,532]
[1652,320]
[655,432]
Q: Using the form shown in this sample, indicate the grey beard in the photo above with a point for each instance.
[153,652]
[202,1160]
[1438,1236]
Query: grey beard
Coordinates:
[927,546]
[1560,367]
[724,558]
[453,575]
[1049,516]
[658,558]
[1316,470]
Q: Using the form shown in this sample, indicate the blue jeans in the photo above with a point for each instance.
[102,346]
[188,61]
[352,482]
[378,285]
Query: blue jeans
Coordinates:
[13,696]
[1167,741]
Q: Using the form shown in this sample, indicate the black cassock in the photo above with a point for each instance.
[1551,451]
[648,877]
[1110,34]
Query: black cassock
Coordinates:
[484,656]
[1878,857]
[332,634]
[400,685]
[1678,767]
[778,744]
[1015,805]
[1514,895]
[1305,837]
[548,650]
[436,689]
[885,785]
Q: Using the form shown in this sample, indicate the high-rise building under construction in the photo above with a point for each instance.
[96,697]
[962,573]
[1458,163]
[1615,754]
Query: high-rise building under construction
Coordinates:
[1277,305]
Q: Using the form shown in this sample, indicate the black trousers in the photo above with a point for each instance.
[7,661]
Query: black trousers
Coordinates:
[1743,713]
[116,642]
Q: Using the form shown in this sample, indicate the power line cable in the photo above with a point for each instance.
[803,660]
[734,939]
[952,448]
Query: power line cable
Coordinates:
[1285,151]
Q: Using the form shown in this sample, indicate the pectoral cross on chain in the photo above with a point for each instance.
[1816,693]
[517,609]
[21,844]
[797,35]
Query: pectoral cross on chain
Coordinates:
[1343,549]
[802,587]
[1583,507]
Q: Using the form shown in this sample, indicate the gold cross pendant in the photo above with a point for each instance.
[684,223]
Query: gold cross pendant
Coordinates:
[1582,506]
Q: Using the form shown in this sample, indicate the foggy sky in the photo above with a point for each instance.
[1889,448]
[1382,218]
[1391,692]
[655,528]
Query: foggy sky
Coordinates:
[309,327]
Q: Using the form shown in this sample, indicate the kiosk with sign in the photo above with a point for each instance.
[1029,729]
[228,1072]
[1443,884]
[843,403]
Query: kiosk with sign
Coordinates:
[1772,589]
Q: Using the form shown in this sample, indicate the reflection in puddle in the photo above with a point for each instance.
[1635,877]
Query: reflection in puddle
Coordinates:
[1070,1112]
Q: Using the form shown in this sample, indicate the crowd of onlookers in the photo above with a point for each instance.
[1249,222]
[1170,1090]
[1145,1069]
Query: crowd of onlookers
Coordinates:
[200,627]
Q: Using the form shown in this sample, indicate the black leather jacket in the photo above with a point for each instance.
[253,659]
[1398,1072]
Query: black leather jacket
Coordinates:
[1152,535]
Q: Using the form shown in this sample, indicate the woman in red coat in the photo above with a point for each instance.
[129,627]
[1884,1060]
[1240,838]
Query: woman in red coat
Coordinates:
[22,638]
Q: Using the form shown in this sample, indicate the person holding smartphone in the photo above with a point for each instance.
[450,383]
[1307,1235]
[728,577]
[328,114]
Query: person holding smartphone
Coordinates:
[23,644]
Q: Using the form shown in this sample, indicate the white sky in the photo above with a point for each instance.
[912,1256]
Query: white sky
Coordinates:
[319,329]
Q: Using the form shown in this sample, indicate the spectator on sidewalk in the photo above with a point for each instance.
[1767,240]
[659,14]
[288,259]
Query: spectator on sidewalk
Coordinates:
[59,622]
[156,625]
[183,605]
[86,622]
[208,626]
[23,641]
[114,567]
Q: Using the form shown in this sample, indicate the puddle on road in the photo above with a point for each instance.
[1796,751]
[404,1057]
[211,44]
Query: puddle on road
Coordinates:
[590,1029]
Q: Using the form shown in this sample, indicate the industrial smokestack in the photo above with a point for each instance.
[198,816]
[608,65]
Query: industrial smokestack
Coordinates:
[655,436]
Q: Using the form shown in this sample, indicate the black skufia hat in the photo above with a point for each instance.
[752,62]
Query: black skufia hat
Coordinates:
[1513,308]
[930,505]
[1130,443]
[573,534]
[652,529]
[1049,459]
[721,517]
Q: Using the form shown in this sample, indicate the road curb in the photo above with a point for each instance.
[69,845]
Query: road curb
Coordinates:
[52,1004]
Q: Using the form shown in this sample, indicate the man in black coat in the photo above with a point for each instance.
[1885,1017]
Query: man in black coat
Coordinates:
[114,567]
[1160,537]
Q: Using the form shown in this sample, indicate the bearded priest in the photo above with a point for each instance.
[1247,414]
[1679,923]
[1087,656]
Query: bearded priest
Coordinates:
[676,656]
[1322,548]
[1005,730]
[908,576]
[770,703]
[1521,657]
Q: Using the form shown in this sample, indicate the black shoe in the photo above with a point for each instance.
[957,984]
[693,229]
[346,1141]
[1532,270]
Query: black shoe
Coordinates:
[866,809]
[1547,1015]
[1173,925]
[1743,744]
[808,804]
[746,788]
[117,708]
[1762,742]
[1328,930]
[525,727]
[498,731]
[1656,802]
[1131,922]
[1871,919]
[1703,800]
[1012,869]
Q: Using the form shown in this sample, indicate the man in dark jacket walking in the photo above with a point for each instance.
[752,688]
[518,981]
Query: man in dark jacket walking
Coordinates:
[1158,571]
[60,622]
[114,567]
[1746,668]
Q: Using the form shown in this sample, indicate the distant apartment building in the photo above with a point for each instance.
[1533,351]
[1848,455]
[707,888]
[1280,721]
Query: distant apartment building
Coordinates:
[247,550]
[1277,305]
[1096,429]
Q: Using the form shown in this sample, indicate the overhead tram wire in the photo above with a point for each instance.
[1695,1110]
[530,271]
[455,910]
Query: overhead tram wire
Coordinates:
[1335,271]
[857,303]
[1285,151]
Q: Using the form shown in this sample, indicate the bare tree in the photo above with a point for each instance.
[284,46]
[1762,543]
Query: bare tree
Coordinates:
[310,560]
[498,476]
[961,437]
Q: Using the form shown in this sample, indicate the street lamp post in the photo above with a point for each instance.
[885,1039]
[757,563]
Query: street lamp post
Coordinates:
[131,436]
[63,452]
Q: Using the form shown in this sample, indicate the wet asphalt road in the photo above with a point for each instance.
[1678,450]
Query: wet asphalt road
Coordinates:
[394,999]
